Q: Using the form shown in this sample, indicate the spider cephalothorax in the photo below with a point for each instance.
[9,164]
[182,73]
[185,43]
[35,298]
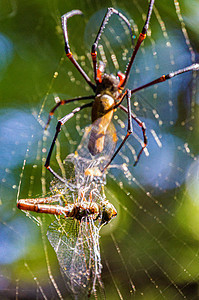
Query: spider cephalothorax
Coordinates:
[108,84]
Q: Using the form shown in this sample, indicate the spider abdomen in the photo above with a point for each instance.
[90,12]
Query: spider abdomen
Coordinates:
[102,106]
[102,113]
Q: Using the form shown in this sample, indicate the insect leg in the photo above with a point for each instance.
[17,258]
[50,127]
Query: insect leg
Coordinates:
[62,102]
[143,127]
[129,128]
[58,129]
[69,54]
[105,20]
[141,38]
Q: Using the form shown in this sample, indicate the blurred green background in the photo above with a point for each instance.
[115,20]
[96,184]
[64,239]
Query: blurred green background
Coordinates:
[150,251]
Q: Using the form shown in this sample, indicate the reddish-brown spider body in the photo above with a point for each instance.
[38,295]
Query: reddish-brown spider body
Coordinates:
[107,92]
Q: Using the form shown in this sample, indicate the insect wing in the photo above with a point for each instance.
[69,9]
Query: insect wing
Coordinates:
[77,247]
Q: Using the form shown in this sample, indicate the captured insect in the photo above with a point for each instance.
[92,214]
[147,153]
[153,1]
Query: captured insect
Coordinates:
[109,90]
[75,237]
[80,209]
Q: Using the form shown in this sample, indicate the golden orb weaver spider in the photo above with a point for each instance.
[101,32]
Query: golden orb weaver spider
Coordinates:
[108,91]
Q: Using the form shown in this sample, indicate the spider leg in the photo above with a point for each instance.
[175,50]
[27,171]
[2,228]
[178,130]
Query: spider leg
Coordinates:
[141,38]
[193,67]
[62,102]
[143,127]
[120,99]
[105,20]
[69,54]
[129,128]
[58,129]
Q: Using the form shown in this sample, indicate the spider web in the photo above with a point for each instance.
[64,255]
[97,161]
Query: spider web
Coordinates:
[150,250]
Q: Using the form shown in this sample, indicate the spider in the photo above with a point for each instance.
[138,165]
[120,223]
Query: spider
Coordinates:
[109,91]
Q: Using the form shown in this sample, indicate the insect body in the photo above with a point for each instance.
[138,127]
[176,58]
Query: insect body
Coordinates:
[104,210]
[108,91]
[75,238]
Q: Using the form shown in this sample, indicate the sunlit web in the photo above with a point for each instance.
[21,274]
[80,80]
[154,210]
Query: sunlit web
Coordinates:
[151,249]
